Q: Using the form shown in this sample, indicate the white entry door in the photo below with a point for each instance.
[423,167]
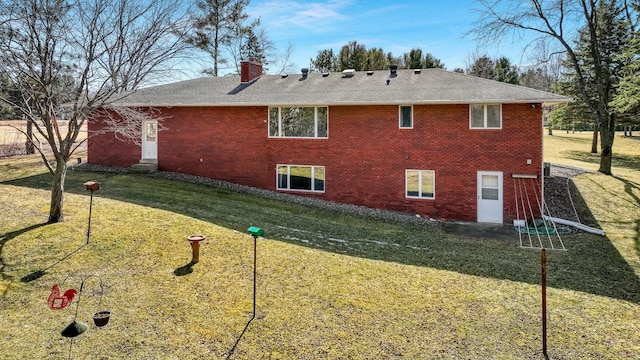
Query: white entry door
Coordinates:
[150,140]
[490,196]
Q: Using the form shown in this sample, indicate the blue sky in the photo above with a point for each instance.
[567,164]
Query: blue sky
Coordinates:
[437,27]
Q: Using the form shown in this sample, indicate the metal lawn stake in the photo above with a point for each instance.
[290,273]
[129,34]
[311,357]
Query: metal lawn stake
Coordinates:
[91,186]
[255,232]
[543,265]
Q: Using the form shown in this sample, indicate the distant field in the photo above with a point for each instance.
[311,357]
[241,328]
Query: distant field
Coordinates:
[12,139]
[9,135]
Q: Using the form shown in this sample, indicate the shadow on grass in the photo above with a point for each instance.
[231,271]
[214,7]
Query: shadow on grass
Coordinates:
[40,273]
[629,188]
[621,160]
[5,238]
[591,264]
[235,345]
[184,270]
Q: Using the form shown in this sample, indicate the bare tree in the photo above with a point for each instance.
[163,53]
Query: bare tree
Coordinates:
[556,20]
[283,61]
[80,56]
[549,63]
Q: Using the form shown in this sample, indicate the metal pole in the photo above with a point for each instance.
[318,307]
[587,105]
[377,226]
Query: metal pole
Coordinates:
[255,246]
[89,227]
[543,264]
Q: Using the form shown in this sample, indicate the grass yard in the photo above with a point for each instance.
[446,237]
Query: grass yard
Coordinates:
[330,285]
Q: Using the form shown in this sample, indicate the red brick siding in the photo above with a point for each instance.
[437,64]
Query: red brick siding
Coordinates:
[106,150]
[365,155]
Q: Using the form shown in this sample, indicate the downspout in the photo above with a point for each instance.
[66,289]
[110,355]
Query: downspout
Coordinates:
[574,224]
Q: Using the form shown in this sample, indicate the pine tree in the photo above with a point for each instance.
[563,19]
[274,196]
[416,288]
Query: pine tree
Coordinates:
[215,27]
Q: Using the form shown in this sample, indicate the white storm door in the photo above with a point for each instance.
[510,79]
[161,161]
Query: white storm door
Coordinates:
[150,140]
[490,196]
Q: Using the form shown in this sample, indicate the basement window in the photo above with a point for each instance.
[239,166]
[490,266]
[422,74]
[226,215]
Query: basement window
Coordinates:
[300,178]
[420,184]
[299,121]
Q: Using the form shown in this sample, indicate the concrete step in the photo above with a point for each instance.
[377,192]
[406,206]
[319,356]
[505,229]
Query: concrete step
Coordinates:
[145,166]
[148,161]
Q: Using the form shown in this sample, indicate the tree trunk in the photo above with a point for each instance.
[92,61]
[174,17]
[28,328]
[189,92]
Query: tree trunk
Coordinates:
[57,192]
[605,161]
[607,135]
[594,142]
[29,148]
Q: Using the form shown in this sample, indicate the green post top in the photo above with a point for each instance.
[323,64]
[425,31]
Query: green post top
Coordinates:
[256,231]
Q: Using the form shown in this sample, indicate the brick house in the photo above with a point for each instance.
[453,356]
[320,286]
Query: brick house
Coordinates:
[428,142]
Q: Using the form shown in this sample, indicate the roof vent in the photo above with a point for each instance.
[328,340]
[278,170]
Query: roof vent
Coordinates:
[417,71]
[369,73]
[348,73]
[305,72]
[394,70]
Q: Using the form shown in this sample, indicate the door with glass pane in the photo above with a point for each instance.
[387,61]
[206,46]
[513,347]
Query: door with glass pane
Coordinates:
[490,196]
[150,140]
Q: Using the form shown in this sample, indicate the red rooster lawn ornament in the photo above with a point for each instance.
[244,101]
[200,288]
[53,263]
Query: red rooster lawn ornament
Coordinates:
[57,301]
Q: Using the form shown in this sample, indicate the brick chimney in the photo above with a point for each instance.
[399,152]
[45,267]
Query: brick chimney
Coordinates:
[250,70]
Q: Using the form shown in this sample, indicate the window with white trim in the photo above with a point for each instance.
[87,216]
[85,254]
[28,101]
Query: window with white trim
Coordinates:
[405,117]
[420,184]
[298,121]
[300,178]
[485,116]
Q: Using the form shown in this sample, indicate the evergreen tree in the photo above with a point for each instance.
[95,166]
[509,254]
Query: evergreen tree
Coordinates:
[413,59]
[325,61]
[352,56]
[627,99]
[376,59]
[432,62]
[505,72]
[482,67]
[6,109]
[600,74]
[216,25]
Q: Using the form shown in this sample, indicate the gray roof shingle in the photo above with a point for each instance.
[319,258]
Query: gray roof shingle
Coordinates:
[430,86]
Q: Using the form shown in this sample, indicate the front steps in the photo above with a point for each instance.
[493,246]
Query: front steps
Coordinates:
[145,166]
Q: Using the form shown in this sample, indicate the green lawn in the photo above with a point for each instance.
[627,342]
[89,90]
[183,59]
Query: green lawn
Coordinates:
[330,285]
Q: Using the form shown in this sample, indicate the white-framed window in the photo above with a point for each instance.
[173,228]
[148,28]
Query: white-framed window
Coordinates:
[485,116]
[405,117]
[299,121]
[420,184]
[300,178]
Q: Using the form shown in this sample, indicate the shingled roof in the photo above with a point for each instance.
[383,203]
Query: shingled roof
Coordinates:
[426,86]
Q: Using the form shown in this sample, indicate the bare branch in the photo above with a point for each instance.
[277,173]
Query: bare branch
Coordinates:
[126,122]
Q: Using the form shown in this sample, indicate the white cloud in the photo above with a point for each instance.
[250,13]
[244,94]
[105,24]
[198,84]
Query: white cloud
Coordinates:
[312,16]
